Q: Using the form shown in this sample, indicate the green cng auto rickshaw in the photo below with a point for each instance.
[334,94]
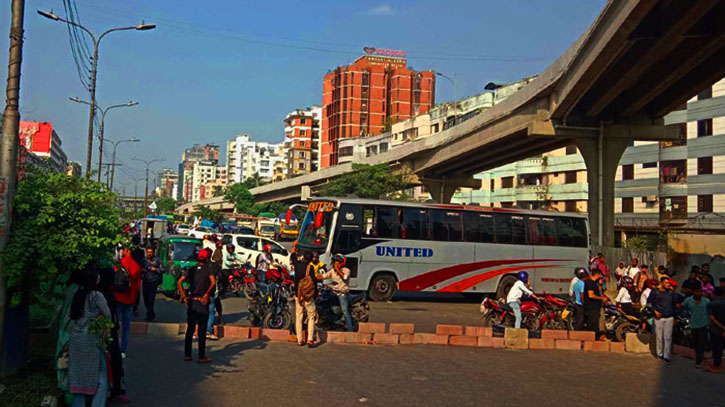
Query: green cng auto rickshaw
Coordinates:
[176,252]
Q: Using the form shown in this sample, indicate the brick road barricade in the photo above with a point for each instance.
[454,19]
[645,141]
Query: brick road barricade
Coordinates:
[541,343]
[479,331]
[340,337]
[371,328]
[496,342]
[596,346]
[463,340]
[616,347]
[364,338]
[637,343]
[430,339]
[554,334]
[449,329]
[407,339]
[485,342]
[237,332]
[255,333]
[275,335]
[516,338]
[567,344]
[582,336]
[402,329]
[386,339]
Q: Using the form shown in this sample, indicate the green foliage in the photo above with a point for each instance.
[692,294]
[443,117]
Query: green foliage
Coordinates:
[218,191]
[101,329]
[254,181]
[61,224]
[205,212]
[239,195]
[366,181]
[165,205]
[637,243]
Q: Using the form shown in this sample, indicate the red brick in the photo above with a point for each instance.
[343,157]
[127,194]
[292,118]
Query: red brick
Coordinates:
[616,347]
[496,342]
[255,333]
[371,328]
[541,344]
[449,329]
[485,342]
[365,338]
[596,346]
[138,328]
[463,340]
[407,339]
[554,334]
[566,344]
[340,337]
[582,336]
[386,339]
[479,331]
[430,339]
[237,332]
[402,329]
[275,335]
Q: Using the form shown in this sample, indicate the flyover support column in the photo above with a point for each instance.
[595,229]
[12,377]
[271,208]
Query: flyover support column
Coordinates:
[601,155]
[443,189]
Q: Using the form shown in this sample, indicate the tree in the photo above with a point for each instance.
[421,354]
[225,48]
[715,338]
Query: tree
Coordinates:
[218,190]
[205,212]
[254,181]
[165,205]
[366,181]
[61,224]
[239,195]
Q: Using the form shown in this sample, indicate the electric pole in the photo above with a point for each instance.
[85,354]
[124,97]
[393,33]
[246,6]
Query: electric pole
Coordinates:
[146,194]
[9,148]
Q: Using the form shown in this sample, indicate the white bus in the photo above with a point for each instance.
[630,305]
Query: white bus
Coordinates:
[405,246]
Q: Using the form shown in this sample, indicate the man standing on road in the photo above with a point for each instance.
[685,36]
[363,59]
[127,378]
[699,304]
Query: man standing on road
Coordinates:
[126,296]
[663,302]
[577,293]
[201,283]
[716,311]
[692,283]
[151,277]
[593,300]
[340,276]
[699,320]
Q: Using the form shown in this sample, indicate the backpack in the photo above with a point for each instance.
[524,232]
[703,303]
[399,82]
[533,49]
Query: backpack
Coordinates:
[306,287]
[121,280]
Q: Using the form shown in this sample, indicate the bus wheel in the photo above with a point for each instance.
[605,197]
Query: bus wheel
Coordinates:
[382,288]
[504,286]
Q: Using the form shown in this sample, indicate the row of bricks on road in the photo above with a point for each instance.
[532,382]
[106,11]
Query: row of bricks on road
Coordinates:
[455,335]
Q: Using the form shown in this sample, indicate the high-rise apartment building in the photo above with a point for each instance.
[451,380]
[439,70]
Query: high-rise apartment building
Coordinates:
[365,98]
[42,140]
[246,157]
[167,182]
[302,140]
[203,172]
[207,153]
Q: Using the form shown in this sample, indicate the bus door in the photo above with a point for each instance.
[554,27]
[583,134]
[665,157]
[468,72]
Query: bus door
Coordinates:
[563,241]
[381,248]
[347,238]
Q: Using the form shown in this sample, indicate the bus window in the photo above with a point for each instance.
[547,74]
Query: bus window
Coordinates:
[369,221]
[503,228]
[542,231]
[479,228]
[572,232]
[381,221]
[518,230]
[447,226]
[414,224]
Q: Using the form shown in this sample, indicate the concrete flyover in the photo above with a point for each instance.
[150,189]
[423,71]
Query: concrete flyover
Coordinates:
[638,61]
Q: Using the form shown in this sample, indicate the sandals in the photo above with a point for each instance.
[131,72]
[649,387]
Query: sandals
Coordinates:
[311,344]
[300,344]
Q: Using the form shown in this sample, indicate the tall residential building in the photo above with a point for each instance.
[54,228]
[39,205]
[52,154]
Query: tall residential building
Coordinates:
[302,140]
[167,182]
[42,140]
[367,97]
[202,172]
[671,188]
[198,152]
[246,157]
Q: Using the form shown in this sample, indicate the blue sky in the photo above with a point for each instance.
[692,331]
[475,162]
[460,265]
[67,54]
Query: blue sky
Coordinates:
[212,70]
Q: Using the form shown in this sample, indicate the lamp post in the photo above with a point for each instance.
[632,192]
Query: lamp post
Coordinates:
[113,156]
[103,126]
[146,194]
[94,71]
[454,81]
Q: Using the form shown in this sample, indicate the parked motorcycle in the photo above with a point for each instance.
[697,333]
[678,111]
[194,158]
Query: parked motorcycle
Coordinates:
[498,312]
[243,279]
[329,312]
[281,287]
[618,323]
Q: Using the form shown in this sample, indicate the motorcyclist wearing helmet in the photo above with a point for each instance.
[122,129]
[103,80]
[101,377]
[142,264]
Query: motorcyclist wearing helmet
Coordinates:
[207,243]
[624,297]
[577,293]
[340,276]
[264,262]
[519,289]
[218,255]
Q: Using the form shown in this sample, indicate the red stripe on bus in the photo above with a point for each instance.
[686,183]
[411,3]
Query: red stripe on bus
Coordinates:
[469,282]
[433,277]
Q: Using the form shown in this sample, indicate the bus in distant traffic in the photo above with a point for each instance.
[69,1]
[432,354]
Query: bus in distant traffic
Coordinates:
[404,246]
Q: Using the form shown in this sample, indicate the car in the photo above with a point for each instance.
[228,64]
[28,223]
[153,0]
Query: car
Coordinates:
[243,230]
[183,229]
[201,231]
[246,245]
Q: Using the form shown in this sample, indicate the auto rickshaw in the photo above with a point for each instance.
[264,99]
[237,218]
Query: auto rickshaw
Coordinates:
[177,253]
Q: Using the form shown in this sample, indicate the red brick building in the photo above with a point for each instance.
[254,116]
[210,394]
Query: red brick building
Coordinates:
[365,98]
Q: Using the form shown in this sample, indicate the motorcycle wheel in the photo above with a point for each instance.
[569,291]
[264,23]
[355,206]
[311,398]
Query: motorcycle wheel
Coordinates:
[488,319]
[621,330]
[281,320]
[359,314]
[248,290]
[236,286]
[530,322]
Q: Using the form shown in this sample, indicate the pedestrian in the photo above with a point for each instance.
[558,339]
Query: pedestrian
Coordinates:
[600,263]
[578,293]
[151,277]
[705,269]
[75,280]
[218,255]
[201,283]
[633,268]
[126,287]
[306,283]
[137,253]
[707,287]
[87,374]
[340,276]
[624,297]
[620,271]
[689,285]
[513,299]
[215,302]
[716,312]
[207,243]
[661,272]
[593,300]
[663,302]
[641,278]
[697,305]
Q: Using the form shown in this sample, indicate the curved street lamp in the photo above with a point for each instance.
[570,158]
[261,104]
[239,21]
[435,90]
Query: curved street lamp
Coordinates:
[146,194]
[113,159]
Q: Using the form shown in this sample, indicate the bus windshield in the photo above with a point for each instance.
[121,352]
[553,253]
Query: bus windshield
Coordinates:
[316,238]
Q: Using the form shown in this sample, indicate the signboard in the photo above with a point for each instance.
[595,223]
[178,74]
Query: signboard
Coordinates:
[384,52]
[153,206]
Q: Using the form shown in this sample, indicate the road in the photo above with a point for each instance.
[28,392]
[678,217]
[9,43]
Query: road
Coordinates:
[254,373]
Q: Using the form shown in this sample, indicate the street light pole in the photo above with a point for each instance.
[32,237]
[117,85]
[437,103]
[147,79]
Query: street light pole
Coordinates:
[94,72]
[146,194]
[113,156]
[103,125]
[454,82]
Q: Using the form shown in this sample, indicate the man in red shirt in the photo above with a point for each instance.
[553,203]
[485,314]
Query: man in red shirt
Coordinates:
[125,298]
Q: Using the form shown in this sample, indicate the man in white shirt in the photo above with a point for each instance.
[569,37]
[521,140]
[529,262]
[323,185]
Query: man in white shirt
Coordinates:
[633,268]
[624,297]
[513,299]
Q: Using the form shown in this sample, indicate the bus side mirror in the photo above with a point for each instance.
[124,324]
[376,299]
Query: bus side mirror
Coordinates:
[318,220]
[288,218]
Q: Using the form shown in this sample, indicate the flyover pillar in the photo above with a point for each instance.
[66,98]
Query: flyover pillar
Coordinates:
[442,189]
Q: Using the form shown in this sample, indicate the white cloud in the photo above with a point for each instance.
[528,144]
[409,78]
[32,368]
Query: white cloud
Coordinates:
[381,10]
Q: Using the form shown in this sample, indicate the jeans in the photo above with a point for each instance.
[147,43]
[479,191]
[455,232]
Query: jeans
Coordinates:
[345,305]
[197,316]
[148,291]
[124,315]
[516,306]
[716,341]
[699,339]
[210,324]
[99,399]
[663,335]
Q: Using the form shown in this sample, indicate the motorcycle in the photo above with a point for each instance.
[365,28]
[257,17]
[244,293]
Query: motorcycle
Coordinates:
[498,312]
[329,312]
[618,323]
[277,315]
[555,313]
[243,279]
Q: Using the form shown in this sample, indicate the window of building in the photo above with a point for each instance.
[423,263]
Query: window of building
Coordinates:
[303,132]
[303,121]
[704,128]
[479,228]
[570,177]
[507,182]
[570,206]
[414,224]
[628,205]
[628,171]
[493,185]
[674,207]
[704,165]
[507,204]
[705,94]
[301,166]
[673,171]
[383,147]
[366,78]
[650,165]
[447,226]
[364,93]
[364,105]
[363,119]
[434,128]
[704,203]
[571,149]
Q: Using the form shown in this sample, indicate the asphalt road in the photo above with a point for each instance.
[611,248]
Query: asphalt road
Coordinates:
[254,373]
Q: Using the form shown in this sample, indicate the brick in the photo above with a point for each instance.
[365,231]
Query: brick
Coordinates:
[255,333]
[637,343]
[683,351]
[541,344]
[407,339]
[554,334]
[162,329]
[516,338]
[449,329]
[237,332]
[596,346]
[616,347]
[340,337]
[566,344]
[138,328]
[402,329]
[582,336]
[275,335]
[430,339]
[386,339]
[485,342]
[479,331]
[496,342]
[463,340]
[365,338]
[371,328]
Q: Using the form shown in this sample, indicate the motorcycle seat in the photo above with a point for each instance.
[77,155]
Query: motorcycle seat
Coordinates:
[505,306]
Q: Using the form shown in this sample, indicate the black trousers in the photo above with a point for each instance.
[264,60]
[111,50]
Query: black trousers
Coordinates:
[630,309]
[578,317]
[591,319]
[197,316]
[699,340]
[114,349]
[716,342]
[148,290]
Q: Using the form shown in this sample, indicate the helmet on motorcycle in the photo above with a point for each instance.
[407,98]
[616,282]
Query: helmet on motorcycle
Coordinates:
[339,258]
[230,247]
[219,243]
[206,237]
[651,283]
[267,248]
[580,273]
[204,254]
[627,281]
[213,237]
[523,276]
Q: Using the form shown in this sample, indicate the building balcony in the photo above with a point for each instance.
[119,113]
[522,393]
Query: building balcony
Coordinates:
[531,192]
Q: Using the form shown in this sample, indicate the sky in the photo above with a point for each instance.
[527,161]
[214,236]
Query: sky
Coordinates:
[212,70]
